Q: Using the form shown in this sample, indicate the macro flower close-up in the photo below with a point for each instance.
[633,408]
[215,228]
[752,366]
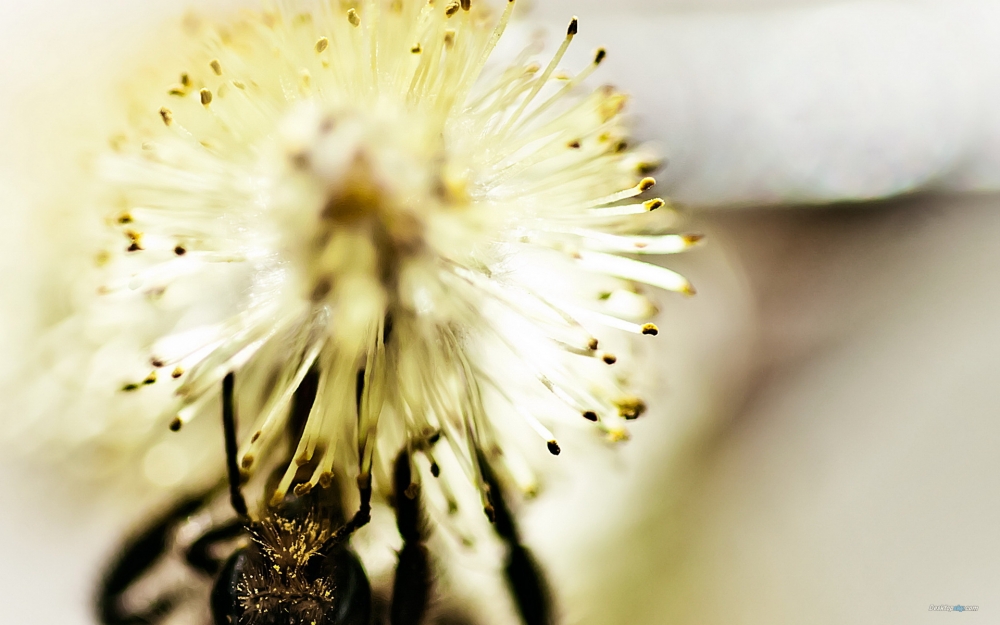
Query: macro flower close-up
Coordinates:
[361,192]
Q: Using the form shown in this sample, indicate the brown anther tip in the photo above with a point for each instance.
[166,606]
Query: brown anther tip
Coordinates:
[353,17]
[216,67]
[125,218]
[134,247]
[491,514]
[156,362]
[180,250]
[206,97]
[303,460]
[302,490]
[693,239]
[186,79]
[574,145]
[434,438]
[590,415]
[150,379]
[178,372]
[631,408]
[167,116]
[653,205]
[131,386]
[256,436]
[554,448]
[322,44]
[326,480]
[248,461]
[452,9]
[610,359]
[417,49]
[574,27]
[176,425]
[177,90]
[646,184]
[600,55]
[466,5]
[593,344]
[650,329]
[689,290]
[435,470]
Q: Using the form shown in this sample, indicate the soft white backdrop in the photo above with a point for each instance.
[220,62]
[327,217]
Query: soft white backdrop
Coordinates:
[824,445]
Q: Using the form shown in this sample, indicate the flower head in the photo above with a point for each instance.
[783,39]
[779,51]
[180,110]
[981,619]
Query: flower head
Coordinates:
[353,189]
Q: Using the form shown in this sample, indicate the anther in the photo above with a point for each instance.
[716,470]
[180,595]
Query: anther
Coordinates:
[417,49]
[435,470]
[178,372]
[180,250]
[302,490]
[186,79]
[646,184]
[574,28]
[631,408]
[590,415]
[693,239]
[206,97]
[650,329]
[176,424]
[353,17]
[248,461]
[575,145]
[156,362]
[167,116]
[554,448]
[452,9]
[125,218]
[150,379]
[600,55]
[593,344]
[466,5]
[322,44]
[216,67]
[610,359]
[256,436]
[326,480]
[653,205]
[130,387]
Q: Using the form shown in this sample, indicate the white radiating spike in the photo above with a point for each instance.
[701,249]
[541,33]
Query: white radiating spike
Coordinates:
[638,271]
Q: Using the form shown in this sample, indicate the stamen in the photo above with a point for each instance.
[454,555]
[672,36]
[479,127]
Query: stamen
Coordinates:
[637,271]
[644,185]
[543,79]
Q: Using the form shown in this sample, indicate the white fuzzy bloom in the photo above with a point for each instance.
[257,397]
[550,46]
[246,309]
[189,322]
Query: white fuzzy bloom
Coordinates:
[353,189]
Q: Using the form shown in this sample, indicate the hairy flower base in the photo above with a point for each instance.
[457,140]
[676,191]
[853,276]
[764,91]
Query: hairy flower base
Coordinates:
[351,189]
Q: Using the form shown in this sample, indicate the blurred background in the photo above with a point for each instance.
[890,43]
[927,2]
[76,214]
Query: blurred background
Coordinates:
[822,443]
